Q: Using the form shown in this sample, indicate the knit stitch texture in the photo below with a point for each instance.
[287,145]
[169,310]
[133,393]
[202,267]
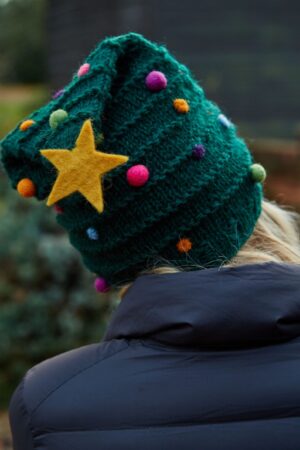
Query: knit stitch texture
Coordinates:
[212,201]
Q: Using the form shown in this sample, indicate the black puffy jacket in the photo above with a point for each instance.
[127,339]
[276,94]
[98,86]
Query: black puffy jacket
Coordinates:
[203,360]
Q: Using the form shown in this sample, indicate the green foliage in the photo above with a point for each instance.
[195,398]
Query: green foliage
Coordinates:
[16,102]
[22,41]
[47,301]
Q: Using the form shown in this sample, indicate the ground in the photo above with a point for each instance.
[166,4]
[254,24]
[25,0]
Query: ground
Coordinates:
[5,437]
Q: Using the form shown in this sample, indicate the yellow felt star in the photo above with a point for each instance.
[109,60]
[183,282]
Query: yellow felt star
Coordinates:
[80,169]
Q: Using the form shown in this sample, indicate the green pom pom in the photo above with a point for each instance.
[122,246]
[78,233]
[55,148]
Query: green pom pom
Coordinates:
[57,117]
[258,173]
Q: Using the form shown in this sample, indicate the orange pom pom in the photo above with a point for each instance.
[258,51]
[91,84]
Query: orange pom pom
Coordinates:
[181,105]
[184,245]
[26,124]
[26,188]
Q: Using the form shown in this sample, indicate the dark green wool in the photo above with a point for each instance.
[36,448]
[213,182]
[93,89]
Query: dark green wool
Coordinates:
[210,199]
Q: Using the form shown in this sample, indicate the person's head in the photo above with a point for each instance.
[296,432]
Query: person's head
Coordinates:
[144,170]
[275,238]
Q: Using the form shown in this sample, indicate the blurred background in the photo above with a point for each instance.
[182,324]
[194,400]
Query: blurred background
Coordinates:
[246,56]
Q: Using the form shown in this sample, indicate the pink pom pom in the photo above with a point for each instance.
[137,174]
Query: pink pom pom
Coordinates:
[83,70]
[156,81]
[101,285]
[137,175]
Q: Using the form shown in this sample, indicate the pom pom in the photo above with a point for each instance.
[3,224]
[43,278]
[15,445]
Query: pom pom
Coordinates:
[26,124]
[58,93]
[101,285]
[181,105]
[184,245]
[198,151]
[83,70]
[258,173]
[57,117]
[137,175]
[156,81]
[58,209]
[26,188]
[92,234]
[224,121]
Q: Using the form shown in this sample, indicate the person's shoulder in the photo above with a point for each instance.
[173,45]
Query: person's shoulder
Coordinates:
[52,375]
[43,379]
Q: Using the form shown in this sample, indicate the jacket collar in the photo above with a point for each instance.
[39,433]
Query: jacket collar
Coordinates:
[236,307]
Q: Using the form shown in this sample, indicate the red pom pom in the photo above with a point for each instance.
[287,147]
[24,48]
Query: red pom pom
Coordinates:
[58,209]
[138,175]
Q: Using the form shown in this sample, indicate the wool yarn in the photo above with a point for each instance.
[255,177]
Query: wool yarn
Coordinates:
[171,179]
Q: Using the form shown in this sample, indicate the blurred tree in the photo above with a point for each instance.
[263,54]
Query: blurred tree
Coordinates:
[22,41]
[245,54]
[47,302]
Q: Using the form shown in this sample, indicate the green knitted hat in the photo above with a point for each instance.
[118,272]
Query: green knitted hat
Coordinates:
[139,164]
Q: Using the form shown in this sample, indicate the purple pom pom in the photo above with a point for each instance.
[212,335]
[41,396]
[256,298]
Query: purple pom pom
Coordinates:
[198,151]
[101,285]
[156,81]
[58,93]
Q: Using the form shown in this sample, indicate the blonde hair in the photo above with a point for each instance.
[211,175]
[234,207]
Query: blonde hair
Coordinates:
[275,238]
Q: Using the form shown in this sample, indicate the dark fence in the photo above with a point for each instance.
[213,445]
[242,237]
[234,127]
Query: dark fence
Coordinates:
[244,53]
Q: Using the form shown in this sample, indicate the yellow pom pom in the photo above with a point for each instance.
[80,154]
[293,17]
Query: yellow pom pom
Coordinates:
[181,105]
[184,245]
[26,188]
[26,124]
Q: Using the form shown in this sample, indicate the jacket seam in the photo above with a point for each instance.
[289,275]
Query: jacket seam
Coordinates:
[168,347]
[172,425]
[73,376]
[27,411]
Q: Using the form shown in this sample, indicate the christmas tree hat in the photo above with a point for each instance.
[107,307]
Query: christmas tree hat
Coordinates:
[139,165]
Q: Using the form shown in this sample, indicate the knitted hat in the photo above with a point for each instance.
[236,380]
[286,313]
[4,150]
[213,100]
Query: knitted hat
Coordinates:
[138,163]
